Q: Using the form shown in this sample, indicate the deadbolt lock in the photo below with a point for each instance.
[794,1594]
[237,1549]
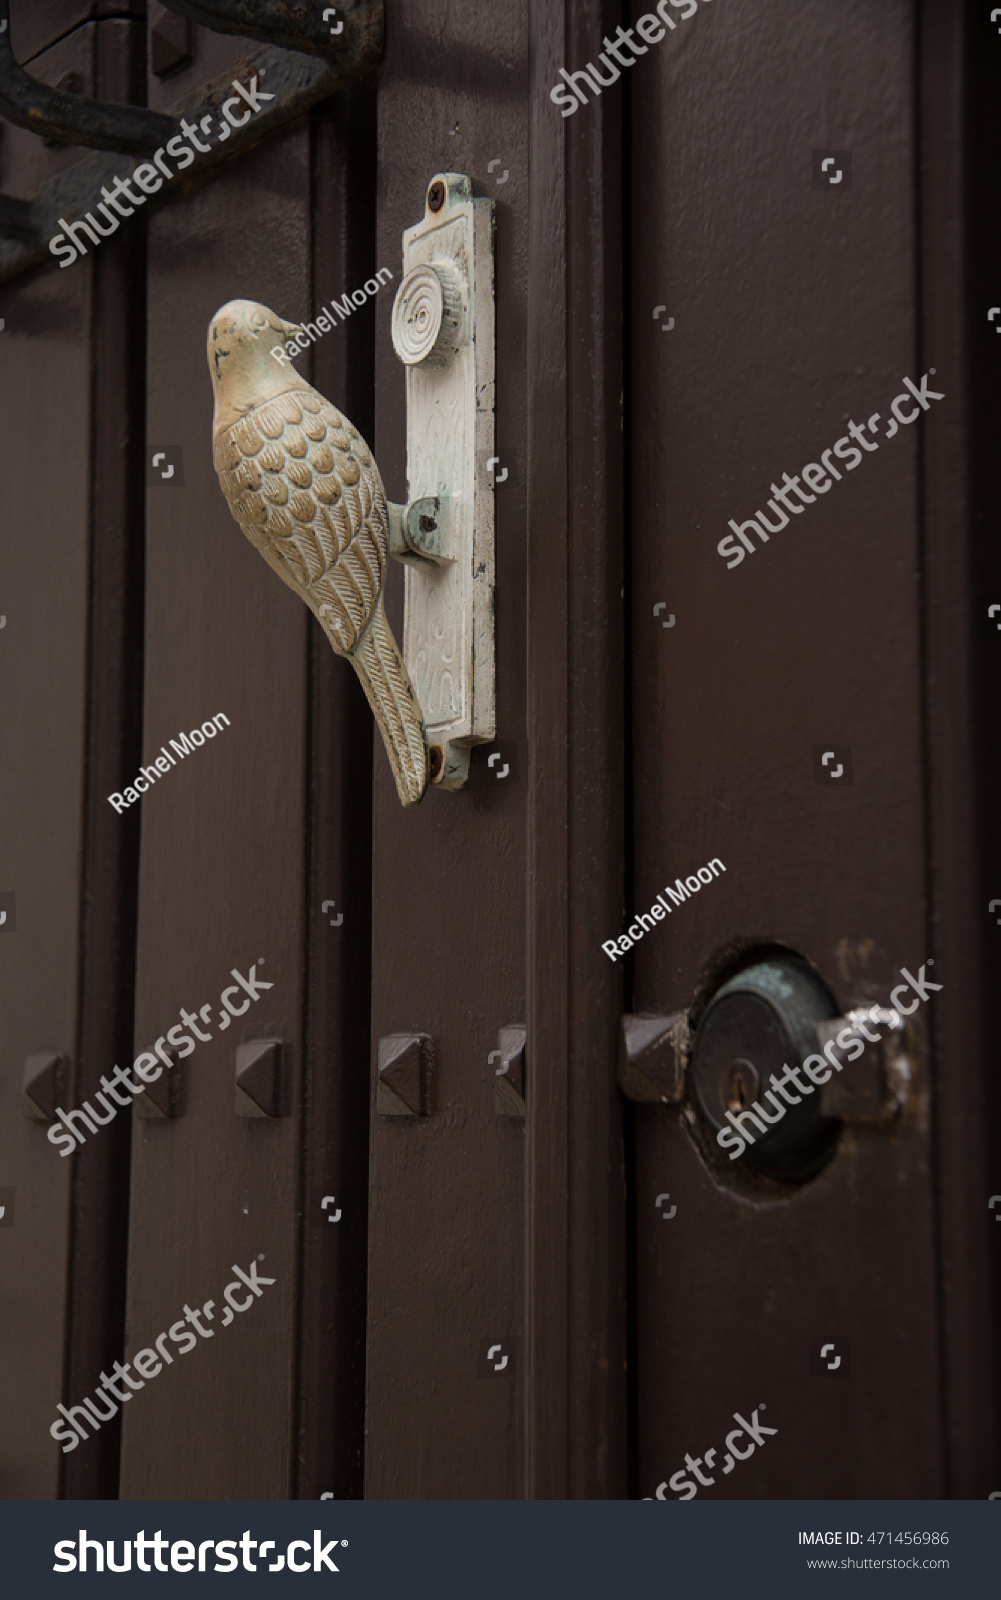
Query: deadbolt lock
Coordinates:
[758,1025]
[771,1071]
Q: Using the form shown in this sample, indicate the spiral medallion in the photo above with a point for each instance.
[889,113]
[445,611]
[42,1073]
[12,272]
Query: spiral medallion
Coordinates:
[427,316]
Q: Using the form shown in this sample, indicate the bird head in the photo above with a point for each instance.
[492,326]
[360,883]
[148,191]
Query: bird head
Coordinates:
[248,359]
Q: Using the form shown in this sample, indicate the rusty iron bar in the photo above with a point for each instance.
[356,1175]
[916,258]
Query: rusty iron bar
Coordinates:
[296,82]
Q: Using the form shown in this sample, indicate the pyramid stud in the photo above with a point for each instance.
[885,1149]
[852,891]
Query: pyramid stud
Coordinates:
[404,1075]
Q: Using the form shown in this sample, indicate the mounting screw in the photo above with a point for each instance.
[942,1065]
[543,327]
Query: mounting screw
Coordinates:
[436,195]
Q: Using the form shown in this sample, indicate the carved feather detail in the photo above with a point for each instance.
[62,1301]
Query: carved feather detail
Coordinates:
[305,490]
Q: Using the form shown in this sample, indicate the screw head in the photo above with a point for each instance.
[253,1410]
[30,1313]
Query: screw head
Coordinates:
[435,759]
[436,195]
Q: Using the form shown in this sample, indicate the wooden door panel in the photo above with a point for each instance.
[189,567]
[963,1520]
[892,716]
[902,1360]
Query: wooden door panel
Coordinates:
[449,898]
[798,310]
[795,313]
[70,386]
[222,870]
[43,596]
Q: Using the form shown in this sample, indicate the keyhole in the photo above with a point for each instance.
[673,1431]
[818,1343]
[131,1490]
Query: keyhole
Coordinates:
[742,1085]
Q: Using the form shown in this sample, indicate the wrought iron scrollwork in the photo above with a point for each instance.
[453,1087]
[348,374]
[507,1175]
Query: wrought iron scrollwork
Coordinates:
[295,79]
[74,118]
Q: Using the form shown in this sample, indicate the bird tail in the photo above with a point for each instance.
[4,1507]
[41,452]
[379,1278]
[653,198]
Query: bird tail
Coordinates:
[395,706]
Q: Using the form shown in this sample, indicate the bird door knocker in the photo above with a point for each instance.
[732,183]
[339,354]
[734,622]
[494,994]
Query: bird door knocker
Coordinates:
[305,488]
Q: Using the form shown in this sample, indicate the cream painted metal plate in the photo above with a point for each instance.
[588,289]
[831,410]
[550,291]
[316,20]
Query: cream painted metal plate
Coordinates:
[443,331]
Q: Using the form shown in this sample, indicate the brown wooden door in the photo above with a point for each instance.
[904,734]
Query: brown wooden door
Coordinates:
[469,1303]
[798,308]
[241,847]
[71,646]
[364,1369]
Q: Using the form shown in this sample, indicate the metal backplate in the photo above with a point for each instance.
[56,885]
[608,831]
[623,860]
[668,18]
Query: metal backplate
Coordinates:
[448,636]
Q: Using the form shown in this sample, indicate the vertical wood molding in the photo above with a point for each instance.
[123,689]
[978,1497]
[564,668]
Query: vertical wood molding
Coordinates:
[330,1387]
[95,1328]
[958,540]
[446,1191]
[575,1213]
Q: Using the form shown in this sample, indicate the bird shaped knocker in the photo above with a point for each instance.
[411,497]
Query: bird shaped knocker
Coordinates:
[305,489]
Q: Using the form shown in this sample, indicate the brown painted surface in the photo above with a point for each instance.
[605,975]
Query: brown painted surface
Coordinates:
[222,872]
[575,1225]
[457,882]
[963,493]
[330,1423]
[99,1238]
[794,313]
[636,754]
[306,807]
[36,24]
[449,879]
[71,682]
[43,655]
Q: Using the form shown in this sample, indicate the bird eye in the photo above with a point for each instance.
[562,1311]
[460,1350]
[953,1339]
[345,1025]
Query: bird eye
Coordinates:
[257,320]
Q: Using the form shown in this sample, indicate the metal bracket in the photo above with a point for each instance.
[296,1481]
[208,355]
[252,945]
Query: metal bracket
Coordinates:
[443,332]
[873,1085]
[422,533]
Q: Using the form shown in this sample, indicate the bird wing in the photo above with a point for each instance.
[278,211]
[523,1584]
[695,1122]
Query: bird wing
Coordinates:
[303,486]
